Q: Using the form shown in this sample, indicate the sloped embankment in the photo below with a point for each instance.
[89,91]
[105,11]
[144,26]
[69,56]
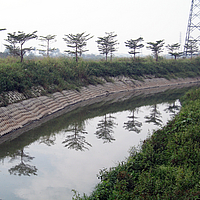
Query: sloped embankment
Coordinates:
[164,166]
[22,114]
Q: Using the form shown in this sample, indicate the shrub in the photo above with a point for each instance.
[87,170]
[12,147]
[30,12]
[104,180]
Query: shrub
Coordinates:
[64,72]
[165,167]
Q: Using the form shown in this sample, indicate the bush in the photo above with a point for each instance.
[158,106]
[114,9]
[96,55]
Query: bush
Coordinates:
[64,73]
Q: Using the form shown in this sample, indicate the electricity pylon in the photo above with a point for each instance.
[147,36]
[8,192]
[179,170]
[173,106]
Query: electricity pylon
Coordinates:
[193,29]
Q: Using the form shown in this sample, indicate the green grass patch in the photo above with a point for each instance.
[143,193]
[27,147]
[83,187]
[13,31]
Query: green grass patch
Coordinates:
[65,73]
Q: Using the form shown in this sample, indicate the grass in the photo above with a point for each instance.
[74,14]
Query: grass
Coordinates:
[56,74]
[165,166]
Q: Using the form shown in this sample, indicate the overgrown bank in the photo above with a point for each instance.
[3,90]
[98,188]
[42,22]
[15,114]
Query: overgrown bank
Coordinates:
[170,170]
[56,74]
[166,166]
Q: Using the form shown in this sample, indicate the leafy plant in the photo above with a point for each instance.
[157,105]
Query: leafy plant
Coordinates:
[66,73]
[166,166]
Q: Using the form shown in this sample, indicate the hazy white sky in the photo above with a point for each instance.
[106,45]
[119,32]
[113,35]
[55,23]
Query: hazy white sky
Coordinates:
[129,19]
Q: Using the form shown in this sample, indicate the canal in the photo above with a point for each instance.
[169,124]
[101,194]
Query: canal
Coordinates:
[67,152]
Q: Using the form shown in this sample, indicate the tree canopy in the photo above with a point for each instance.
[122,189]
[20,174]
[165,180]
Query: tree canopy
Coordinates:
[173,50]
[191,48]
[107,44]
[77,43]
[134,45]
[47,40]
[156,47]
[16,42]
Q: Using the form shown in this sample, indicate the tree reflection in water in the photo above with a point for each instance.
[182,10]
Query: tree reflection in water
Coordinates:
[173,109]
[77,139]
[155,116]
[48,139]
[22,168]
[105,128]
[133,124]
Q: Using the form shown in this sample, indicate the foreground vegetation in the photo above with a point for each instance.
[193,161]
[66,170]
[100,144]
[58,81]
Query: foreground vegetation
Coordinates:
[166,166]
[56,74]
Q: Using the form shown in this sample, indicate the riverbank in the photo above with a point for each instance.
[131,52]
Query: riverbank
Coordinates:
[23,113]
[165,166]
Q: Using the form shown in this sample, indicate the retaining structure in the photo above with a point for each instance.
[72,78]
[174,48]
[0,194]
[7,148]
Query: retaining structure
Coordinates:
[28,113]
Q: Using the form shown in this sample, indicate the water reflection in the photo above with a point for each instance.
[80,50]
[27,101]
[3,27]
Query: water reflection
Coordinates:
[173,109]
[49,140]
[95,136]
[155,116]
[23,168]
[76,139]
[74,123]
[105,128]
[133,124]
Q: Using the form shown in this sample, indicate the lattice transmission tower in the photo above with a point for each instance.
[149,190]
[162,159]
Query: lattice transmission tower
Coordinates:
[193,29]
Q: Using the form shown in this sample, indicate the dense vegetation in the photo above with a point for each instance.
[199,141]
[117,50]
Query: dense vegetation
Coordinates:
[56,74]
[166,166]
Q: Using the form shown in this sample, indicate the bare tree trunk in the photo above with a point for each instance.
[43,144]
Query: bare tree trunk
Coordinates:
[21,54]
[76,53]
[156,56]
[47,48]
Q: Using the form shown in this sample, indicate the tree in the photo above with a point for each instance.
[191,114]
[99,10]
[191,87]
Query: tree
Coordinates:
[191,47]
[12,47]
[174,50]
[19,39]
[134,45]
[156,47]
[107,44]
[2,54]
[113,43]
[77,43]
[103,45]
[46,39]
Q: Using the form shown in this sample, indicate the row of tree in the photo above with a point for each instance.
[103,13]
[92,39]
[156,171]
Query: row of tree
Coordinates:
[76,43]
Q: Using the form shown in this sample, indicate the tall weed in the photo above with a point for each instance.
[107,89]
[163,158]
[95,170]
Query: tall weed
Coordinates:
[64,72]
